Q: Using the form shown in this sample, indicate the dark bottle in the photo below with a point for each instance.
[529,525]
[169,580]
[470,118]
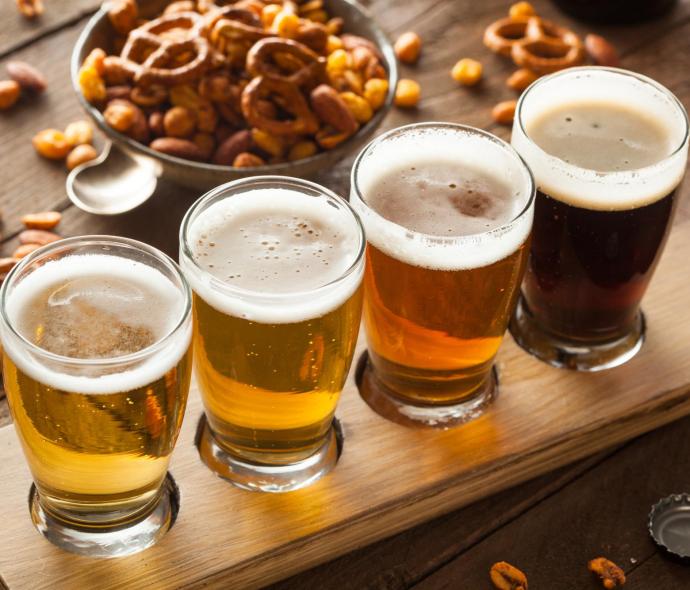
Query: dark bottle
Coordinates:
[616,11]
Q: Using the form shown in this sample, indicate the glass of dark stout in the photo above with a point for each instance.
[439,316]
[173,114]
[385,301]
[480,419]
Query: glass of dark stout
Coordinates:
[608,151]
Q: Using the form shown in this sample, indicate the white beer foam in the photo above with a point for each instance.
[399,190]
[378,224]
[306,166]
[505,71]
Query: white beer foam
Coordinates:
[457,148]
[590,189]
[161,293]
[293,298]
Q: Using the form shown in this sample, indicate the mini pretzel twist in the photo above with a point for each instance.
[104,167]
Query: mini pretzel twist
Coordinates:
[271,57]
[536,44]
[290,99]
[150,51]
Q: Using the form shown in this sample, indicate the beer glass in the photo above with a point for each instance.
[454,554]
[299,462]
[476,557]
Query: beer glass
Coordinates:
[96,332]
[608,150]
[448,212]
[275,266]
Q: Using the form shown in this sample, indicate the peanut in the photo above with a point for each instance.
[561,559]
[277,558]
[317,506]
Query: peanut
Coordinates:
[30,8]
[407,93]
[79,132]
[24,250]
[91,84]
[375,91]
[507,577]
[301,150]
[270,144]
[285,24]
[521,79]
[156,124]
[80,155]
[408,46]
[467,71]
[179,122]
[120,116]
[359,107]
[504,112]
[27,76]
[601,51]
[9,94]
[123,15]
[43,220]
[269,13]
[247,160]
[611,575]
[51,144]
[521,10]
[38,236]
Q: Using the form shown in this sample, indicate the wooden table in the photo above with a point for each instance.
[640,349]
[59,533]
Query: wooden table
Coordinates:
[551,526]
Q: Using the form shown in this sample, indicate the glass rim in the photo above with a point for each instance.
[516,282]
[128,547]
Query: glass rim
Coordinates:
[96,239]
[283,181]
[614,72]
[532,187]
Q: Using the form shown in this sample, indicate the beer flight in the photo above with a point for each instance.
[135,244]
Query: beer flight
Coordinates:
[450,237]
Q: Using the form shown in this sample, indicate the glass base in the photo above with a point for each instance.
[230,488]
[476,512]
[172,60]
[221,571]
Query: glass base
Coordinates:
[261,477]
[384,402]
[574,355]
[109,541]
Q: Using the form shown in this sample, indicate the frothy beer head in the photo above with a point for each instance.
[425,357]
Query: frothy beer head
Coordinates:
[281,252]
[99,308]
[443,196]
[602,139]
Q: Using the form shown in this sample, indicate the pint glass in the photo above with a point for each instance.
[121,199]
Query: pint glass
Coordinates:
[276,266]
[447,211]
[96,334]
[608,150]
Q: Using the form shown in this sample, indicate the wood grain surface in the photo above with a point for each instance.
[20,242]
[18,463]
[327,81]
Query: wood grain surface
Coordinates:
[453,551]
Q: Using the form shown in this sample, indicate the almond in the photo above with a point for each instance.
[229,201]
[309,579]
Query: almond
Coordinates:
[24,250]
[332,110]
[180,148]
[27,76]
[9,93]
[233,146]
[38,236]
[6,264]
[521,79]
[504,112]
[43,220]
[601,51]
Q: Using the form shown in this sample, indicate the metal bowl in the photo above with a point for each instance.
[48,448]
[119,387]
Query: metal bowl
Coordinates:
[202,176]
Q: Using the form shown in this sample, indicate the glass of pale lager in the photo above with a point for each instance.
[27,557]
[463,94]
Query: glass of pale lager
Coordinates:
[96,332]
[275,265]
[448,212]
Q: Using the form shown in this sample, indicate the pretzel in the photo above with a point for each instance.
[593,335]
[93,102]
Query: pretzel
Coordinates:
[534,43]
[547,48]
[150,51]
[289,98]
[271,57]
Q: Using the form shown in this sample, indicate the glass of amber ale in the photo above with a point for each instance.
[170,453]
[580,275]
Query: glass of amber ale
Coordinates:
[275,266]
[448,212]
[96,333]
[608,150]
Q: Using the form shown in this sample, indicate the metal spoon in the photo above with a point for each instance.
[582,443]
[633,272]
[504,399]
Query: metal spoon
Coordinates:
[114,182]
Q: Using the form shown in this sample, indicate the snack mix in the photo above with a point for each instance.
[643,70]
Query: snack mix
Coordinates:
[246,84]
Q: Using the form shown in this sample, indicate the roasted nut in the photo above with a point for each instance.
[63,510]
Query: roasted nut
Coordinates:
[332,44]
[285,24]
[27,76]
[332,109]
[9,94]
[79,132]
[407,47]
[80,155]
[601,51]
[521,10]
[97,60]
[301,150]
[359,107]
[119,115]
[310,6]
[334,25]
[51,144]
[180,148]
[91,84]
[407,93]
[375,91]
[43,220]
[217,87]
[338,61]
[467,71]
[611,575]
[238,142]
[38,236]
[247,160]
[123,15]
[179,122]
[269,13]
[317,16]
[268,143]
[222,132]
[156,124]
[206,143]
[507,577]
[6,265]
[521,79]
[24,250]
[30,8]
[504,112]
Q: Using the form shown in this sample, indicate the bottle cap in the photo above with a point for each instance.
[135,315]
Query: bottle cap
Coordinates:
[669,525]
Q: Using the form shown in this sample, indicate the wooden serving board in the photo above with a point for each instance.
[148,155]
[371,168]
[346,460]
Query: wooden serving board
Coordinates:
[388,478]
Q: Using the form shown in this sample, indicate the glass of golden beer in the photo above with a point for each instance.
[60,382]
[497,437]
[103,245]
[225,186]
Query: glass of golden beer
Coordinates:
[96,333]
[448,212]
[608,149]
[275,266]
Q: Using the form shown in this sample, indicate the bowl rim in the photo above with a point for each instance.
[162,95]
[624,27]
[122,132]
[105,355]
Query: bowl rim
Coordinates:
[381,40]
